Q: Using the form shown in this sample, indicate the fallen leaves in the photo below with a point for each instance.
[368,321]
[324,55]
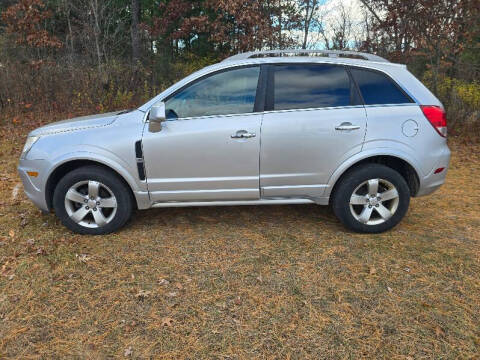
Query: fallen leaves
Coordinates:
[167,321]
[439,331]
[172,294]
[8,268]
[163,282]
[83,258]
[237,293]
[16,190]
[128,352]
[24,221]
[143,294]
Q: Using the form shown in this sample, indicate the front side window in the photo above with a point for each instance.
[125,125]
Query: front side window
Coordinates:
[377,88]
[223,93]
[310,86]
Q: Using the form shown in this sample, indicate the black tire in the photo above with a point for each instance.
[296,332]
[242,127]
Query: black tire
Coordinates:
[352,180]
[124,201]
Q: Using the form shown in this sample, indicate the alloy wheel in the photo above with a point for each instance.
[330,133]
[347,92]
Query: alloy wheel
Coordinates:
[90,204]
[374,201]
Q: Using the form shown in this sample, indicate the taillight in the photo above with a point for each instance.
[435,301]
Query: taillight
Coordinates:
[437,117]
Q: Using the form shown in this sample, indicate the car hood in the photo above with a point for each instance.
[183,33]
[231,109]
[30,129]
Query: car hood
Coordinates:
[78,123]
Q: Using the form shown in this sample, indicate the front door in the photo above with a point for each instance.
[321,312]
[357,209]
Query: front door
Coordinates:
[314,123]
[208,149]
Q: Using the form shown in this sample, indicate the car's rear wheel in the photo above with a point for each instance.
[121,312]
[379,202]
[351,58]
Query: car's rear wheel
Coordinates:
[371,198]
[92,200]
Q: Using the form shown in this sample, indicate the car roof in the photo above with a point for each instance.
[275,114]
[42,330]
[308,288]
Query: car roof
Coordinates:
[307,52]
[313,56]
[308,59]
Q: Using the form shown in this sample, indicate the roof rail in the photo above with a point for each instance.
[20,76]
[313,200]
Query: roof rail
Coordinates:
[302,52]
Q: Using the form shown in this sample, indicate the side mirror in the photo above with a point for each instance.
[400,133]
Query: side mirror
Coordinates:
[156,116]
[157,112]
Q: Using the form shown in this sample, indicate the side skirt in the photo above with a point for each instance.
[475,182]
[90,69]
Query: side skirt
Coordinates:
[233,203]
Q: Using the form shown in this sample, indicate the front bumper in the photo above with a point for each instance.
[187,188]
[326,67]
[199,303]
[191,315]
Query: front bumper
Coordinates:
[433,181]
[34,187]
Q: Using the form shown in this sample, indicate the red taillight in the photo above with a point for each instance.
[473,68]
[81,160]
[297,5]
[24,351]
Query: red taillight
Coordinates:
[437,117]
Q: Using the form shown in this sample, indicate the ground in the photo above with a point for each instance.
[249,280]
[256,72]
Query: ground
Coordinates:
[263,282]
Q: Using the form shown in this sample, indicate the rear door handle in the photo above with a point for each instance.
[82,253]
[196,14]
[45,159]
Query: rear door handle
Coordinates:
[242,134]
[346,126]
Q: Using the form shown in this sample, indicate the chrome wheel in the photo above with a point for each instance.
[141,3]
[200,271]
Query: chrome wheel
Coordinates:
[90,204]
[374,201]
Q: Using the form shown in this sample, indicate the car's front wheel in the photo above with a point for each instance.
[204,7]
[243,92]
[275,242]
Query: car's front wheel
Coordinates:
[371,198]
[92,200]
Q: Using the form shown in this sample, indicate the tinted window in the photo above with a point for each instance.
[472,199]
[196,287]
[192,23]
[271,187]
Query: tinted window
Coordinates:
[228,92]
[377,88]
[310,86]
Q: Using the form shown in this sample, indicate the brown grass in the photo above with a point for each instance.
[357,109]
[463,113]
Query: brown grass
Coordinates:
[246,282]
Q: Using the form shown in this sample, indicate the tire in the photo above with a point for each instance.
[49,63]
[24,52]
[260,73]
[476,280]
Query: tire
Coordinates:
[92,200]
[361,212]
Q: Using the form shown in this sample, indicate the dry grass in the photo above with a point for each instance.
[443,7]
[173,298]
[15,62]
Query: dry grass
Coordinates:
[247,282]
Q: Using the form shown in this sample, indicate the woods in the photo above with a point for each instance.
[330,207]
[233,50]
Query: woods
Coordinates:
[91,55]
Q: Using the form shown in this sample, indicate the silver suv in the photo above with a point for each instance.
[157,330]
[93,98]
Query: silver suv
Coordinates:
[278,127]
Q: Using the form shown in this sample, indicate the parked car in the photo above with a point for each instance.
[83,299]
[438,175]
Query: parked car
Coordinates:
[277,127]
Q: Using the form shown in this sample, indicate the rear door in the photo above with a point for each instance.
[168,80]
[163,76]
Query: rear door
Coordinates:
[314,121]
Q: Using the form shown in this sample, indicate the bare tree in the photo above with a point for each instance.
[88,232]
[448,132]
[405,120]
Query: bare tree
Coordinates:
[338,32]
[135,31]
[309,9]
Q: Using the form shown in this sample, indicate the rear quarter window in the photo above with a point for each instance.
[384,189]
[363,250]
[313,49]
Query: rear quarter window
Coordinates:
[377,88]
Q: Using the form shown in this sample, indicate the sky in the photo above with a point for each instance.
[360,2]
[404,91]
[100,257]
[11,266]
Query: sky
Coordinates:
[330,11]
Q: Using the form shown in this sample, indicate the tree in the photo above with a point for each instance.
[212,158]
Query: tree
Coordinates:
[308,9]
[436,31]
[135,31]
[221,27]
[339,29]
[25,20]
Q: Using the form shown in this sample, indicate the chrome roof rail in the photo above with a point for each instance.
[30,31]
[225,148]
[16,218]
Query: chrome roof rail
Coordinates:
[302,52]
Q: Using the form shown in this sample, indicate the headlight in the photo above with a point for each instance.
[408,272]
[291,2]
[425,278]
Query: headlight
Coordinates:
[28,145]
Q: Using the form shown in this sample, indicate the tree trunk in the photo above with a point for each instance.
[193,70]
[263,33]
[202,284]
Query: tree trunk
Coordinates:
[96,33]
[135,31]
[306,25]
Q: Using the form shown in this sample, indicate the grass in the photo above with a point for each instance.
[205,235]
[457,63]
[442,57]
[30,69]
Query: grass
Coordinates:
[263,282]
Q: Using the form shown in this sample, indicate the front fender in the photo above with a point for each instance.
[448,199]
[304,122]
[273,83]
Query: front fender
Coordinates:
[110,160]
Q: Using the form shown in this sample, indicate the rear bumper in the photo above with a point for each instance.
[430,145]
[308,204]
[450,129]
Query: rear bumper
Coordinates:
[432,181]
[34,187]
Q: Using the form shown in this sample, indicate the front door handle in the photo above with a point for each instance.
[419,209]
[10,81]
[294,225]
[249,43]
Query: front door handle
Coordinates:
[346,126]
[243,134]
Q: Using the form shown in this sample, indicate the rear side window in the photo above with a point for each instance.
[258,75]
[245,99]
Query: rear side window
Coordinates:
[310,86]
[377,88]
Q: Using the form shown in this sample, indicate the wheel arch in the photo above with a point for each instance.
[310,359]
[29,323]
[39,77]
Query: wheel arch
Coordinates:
[61,170]
[404,167]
